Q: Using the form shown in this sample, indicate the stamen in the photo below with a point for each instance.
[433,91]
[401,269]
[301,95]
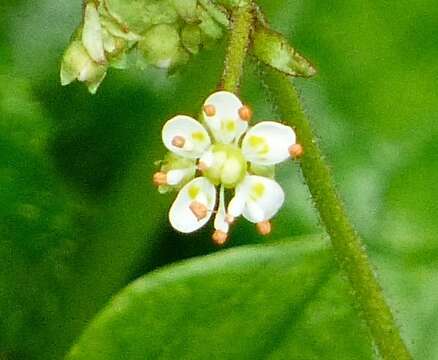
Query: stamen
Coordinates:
[199,210]
[209,110]
[202,166]
[160,178]
[296,151]
[178,141]
[219,237]
[264,227]
[229,219]
[245,113]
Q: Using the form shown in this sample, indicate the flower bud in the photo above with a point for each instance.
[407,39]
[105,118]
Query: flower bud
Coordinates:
[186,9]
[191,38]
[116,29]
[160,46]
[210,29]
[92,34]
[139,16]
[78,65]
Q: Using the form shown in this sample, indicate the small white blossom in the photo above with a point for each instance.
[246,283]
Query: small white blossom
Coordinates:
[228,155]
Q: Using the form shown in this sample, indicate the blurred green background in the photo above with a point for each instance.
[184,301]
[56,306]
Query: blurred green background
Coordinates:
[79,218]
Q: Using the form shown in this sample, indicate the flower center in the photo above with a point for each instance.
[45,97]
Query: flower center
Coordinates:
[224,164]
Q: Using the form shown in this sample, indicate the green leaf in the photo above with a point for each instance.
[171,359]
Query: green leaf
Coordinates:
[58,248]
[280,301]
[38,227]
[273,49]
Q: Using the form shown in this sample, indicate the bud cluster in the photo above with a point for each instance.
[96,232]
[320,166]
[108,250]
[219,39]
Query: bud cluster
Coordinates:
[160,33]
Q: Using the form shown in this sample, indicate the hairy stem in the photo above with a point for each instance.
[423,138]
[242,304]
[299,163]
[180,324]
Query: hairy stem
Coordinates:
[242,22]
[347,245]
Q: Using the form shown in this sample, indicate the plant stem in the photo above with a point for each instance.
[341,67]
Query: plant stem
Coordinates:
[347,245]
[242,22]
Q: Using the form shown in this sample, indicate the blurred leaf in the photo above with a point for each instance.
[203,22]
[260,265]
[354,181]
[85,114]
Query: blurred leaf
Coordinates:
[277,301]
[63,256]
[408,248]
[38,227]
[273,49]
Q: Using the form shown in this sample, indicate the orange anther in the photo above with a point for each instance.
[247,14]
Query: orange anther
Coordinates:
[219,237]
[245,113]
[178,141]
[160,178]
[296,151]
[202,166]
[264,227]
[199,210]
[209,110]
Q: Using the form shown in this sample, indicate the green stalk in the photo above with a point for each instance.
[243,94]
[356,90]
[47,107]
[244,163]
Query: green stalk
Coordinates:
[347,245]
[242,23]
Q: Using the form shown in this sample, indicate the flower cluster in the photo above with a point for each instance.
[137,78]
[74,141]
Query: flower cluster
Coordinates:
[228,154]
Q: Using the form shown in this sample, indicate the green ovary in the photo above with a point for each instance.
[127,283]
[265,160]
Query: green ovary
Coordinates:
[229,166]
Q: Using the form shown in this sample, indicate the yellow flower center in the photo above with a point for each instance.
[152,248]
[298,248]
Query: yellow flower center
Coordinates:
[228,166]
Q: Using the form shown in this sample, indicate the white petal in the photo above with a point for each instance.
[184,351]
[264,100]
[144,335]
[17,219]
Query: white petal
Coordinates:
[174,177]
[238,202]
[207,158]
[219,220]
[226,124]
[253,212]
[109,43]
[87,71]
[196,139]
[92,34]
[181,216]
[264,198]
[267,143]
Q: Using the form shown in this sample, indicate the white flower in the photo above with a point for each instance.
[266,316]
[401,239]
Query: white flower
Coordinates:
[227,155]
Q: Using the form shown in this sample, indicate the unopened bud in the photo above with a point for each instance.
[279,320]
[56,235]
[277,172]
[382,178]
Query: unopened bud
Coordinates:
[199,210]
[245,113]
[160,178]
[219,237]
[191,37]
[77,64]
[92,34]
[160,46]
[296,151]
[264,227]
